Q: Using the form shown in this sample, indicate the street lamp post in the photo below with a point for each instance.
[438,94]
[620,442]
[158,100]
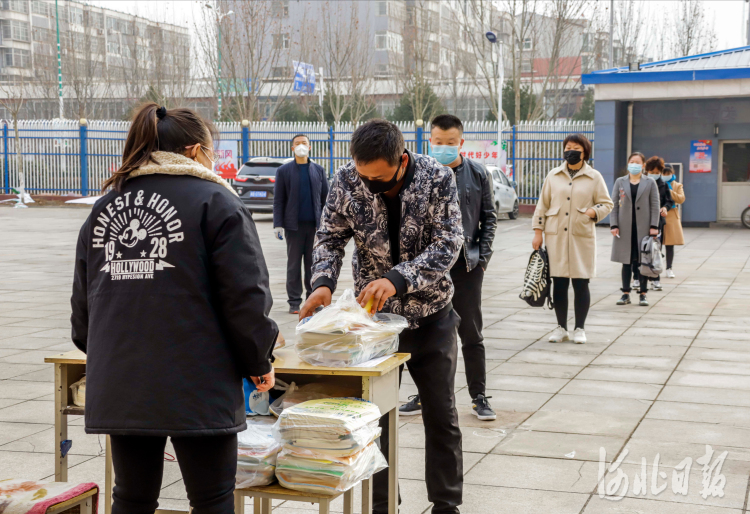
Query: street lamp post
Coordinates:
[219,16]
[59,64]
[492,38]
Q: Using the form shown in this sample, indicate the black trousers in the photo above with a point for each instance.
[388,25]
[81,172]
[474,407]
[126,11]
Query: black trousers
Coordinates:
[208,465]
[434,354]
[670,255]
[468,306]
[581,302]
[632,269]
[299,247]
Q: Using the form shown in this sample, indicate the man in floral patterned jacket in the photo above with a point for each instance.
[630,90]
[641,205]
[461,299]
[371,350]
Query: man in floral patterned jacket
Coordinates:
[402,211]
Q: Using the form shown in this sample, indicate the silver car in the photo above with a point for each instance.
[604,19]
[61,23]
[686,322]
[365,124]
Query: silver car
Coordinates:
[506,198]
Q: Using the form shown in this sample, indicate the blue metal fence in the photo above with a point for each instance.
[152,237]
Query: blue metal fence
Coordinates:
[66,157]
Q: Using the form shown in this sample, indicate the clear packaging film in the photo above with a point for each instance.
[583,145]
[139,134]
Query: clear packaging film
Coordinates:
[316,472]
[79,392]
[335,426]
[256,453]
[294,394]
[345,334]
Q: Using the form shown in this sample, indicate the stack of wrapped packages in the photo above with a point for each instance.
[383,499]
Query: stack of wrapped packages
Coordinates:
[328,445]
[256,453]
[345,334]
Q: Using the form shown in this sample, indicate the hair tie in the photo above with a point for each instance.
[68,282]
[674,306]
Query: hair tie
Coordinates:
[161,112]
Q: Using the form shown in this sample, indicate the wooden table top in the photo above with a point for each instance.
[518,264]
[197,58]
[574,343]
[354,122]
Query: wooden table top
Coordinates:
[287,361]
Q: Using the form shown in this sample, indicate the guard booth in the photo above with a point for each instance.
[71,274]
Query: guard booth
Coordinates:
[693,111]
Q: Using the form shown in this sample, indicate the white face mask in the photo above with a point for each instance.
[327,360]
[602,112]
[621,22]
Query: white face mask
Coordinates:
[301,150]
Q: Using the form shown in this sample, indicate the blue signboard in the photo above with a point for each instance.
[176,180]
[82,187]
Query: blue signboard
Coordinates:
[304,77]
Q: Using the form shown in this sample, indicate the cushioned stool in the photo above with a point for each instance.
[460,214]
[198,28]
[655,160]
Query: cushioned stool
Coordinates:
[35,497]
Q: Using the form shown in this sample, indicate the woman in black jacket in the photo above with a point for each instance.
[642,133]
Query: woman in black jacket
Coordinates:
[654,169]
[170,304]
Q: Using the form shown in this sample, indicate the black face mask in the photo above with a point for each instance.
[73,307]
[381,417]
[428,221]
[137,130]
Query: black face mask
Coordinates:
[572,156]
[378,186]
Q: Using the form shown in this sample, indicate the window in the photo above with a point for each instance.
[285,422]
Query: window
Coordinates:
[21,6]
[281,41]
[381,70]
[526,66]
[280,72]
[527,44]
[586,43]
[42,8]
[16,58]
[15,30]
[113,46]
[95,20]
[385,40]
[382,9]
[280,8]
[76,15]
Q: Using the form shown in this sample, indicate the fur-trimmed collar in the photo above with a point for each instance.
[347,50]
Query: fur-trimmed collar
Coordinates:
[175,164]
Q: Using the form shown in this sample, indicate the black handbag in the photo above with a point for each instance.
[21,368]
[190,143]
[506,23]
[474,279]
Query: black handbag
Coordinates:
[537,285]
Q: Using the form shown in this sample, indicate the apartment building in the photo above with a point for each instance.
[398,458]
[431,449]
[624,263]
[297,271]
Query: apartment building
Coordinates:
[101,49]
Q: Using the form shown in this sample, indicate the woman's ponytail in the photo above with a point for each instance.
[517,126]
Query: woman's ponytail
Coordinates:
[154,129]
[141,142]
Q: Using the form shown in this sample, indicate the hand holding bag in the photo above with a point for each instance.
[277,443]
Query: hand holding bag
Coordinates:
[537,290]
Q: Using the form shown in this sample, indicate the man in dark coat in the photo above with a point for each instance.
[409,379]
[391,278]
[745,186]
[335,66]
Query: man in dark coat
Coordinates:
[299,194]
[479,221]
[402,211]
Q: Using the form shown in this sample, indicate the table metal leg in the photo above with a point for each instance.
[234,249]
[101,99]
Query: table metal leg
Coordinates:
[61,421]
[256,504]
[349,501]
[265,505]
[109,477]
[324,507]
[393,461]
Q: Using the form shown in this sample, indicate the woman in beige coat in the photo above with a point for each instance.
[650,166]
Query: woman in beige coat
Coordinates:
[672,234]
[573,198]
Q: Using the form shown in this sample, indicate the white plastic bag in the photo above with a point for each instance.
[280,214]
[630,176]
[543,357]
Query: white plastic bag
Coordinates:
[316,472]
[295,395]
[345,335]
[256,454]
[336,426]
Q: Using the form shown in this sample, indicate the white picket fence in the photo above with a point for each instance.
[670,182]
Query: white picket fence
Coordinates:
[52,158]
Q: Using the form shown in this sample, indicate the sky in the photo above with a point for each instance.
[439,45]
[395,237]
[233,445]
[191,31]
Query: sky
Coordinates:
[727,15]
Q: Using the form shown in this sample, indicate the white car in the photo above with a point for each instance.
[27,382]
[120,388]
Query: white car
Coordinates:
[506,198]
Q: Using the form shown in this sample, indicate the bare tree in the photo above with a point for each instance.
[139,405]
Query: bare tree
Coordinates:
[559,40]
[691,32]
[340,28]
[84,63]
[256,52]
[419,72]
[13,96]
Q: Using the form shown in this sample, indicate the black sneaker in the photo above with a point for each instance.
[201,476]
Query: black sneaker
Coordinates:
[481,408]
[644,301]
[413,408]
[294,309]
[625,300]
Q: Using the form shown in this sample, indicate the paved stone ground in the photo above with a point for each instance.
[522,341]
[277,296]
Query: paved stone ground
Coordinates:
[667,379]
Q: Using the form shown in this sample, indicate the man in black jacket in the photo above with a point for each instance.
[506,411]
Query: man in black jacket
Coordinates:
[299,194]
[479,221]
[402,211]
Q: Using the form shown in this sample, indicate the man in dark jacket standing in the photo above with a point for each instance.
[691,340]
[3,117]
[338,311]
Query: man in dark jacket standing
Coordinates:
[402,211]
[479,221]
[299,194]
